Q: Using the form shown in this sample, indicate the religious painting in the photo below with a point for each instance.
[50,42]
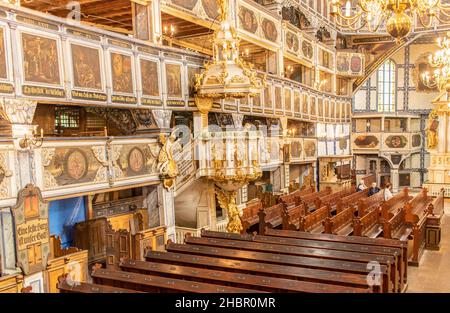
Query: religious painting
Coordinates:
[142,24]
[247,20]
[396,141]
[325,58]
[366,141]
[69,166]
[268,97]
[137,160]
[342,63]
[356,64]
[320,107]
[86,67]
[292,41]
[270,30]
[404,179]
[305,104]
[297,103]
[173,80]
[149,78]
[211,8]
[122,75]
[307,49]
[3,65]
[76,164]
[192,71]
[40,59]
[296,149]
[416,140]
[312,110]
[310,148]
[187,4]
[287,100]
[32,235]
[278,100]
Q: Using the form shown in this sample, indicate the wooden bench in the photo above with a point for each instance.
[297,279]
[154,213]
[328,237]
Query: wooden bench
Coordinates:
[395,203]
[309,200]
[370,203]
[368,242]
[295,255]
[293,198]
[271,217]
[369,225]
[241,280]
[292,215]
[416,214]
[260,268]
[341,223]
[250,216]
[396,228]
[333,198]
[436,210]
[313,221]
[150,283]
[351,200]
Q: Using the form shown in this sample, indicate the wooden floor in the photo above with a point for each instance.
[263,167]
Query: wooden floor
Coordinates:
[433,274]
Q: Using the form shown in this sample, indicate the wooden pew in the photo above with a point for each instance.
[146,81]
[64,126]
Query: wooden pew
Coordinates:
[293,198]
[297,256]
[397,253]
[436,211]
[309,200]
[370,203]
[332,199]
[240,280]
[395,203]
[271,217]
[341,223]
[396,228]
[250,216]
[351,200]
[261,268]
[371,242]
[78,287]
[150,283]
[416,213]
[313,222]
[292,215]
[369,225]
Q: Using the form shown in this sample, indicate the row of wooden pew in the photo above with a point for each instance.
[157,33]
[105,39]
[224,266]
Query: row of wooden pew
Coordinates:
[348,213]
[280,261]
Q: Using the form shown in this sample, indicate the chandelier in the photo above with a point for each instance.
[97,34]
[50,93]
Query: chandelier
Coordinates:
[398,15]
[440,77]
[227,76]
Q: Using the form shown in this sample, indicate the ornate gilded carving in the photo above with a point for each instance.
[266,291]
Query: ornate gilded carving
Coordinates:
[432,130]
[166,163]
[227,201]
[5,174]
[18,111]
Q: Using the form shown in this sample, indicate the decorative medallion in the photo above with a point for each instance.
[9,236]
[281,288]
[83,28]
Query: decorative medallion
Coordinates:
[187,4]
[356,64]
[76,164]
[270,30]
[292,41]
[247,20]
[307,49]
[364,141]
[396,141]
[211,8]
[136,160]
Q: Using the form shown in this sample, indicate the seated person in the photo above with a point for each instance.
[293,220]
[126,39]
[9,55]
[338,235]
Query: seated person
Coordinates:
[387,192]
[373,189]
[361,185]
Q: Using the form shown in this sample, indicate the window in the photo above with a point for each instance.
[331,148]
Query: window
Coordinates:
[386,87]
[67,117]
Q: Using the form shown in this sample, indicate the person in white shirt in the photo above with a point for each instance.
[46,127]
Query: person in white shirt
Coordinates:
[387,192]
[361,185]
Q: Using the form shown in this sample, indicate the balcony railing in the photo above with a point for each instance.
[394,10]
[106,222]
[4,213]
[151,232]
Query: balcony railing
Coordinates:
[181,232]
[68,165]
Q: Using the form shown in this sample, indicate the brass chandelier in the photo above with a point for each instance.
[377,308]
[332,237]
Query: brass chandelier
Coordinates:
[227,76]
[441,61]
[398,15]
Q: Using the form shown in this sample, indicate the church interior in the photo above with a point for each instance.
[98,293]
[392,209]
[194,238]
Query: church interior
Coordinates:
[224,146]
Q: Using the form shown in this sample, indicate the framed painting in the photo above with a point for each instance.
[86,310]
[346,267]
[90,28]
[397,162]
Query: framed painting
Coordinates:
[122,73]
[173,80]
[3,55]
[86,67]
[247,20]
[149,77]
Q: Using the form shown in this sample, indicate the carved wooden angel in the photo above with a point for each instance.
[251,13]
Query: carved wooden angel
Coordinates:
[432,130]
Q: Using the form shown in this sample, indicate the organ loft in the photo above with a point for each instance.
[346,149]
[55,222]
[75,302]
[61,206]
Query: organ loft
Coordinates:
[224,146]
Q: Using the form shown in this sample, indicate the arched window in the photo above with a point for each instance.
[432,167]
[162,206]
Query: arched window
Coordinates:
[386,87]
